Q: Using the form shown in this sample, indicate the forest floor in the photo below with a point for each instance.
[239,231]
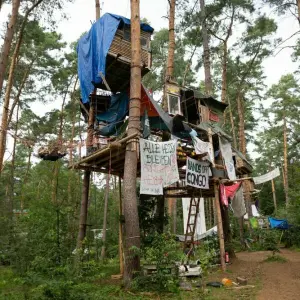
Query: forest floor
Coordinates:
[269,277]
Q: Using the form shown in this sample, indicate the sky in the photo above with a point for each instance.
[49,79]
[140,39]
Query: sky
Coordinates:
[82,12]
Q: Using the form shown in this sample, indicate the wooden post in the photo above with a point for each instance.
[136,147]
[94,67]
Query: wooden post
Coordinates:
[121,229]
[220,226]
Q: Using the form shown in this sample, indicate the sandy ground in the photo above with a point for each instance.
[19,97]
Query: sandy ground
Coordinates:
[277,280]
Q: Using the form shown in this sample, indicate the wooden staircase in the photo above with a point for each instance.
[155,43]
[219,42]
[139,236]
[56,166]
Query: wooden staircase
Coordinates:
[191,224]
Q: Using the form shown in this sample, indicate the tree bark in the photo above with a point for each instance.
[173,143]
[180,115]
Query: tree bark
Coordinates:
[171,51]
[232,124]
[285,161]
[97,6]
[20,89]
[274,196]
[83,209]
[121,256]
[8,40]
[206,52]
[4,124]
[224,59]
[242,139]
[25,178]
[12,174]
[105,217]
[132,230]
[298,8]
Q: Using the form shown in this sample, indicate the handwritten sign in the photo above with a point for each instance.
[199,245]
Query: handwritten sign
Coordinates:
[197,173]
[158,166]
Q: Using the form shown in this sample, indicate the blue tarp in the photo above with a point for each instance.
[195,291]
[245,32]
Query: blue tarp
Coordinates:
[115,115]
[92,50]
[278,223]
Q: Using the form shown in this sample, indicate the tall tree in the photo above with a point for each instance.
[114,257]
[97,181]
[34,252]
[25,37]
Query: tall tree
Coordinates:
[7,41]
[171,50]
[206,51]
[132,230]
[285,109]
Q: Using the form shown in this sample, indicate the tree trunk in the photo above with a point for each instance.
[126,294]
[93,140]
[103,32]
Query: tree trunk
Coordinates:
[4,124]
[298,7]
[97,5]
[206,52]
[20,89]
[12,174]
[220,227]
[232,124]
[132,230]
[25,178]
[83,209]
[160,205]
[171,50]
[121,256]
[224,59]
[8,40]
[105,217]
[285,161]
[242,139]
[274,196]
[227,232]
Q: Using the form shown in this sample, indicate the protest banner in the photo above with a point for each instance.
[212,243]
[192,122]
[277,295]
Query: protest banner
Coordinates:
[267,177]
[197,173]
[158,166]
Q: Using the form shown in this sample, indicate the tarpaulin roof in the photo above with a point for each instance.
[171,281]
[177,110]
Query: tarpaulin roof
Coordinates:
[92,50]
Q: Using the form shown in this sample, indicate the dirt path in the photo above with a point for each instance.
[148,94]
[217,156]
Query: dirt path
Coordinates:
[279,280]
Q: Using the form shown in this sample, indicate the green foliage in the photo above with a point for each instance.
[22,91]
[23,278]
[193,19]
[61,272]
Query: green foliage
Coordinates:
[275,258]
[265,239]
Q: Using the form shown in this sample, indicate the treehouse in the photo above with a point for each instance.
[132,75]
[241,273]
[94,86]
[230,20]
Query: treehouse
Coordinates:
[104,55]
[192,122]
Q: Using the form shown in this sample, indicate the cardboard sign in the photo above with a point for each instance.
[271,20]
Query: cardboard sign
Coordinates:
[197,173]
[158,166]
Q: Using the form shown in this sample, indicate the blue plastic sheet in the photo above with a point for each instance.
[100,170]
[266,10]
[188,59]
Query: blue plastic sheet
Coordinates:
[92,50]
[278,223]
[115,115]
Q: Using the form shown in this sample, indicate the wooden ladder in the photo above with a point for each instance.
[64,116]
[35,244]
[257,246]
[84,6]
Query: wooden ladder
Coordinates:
[191,224]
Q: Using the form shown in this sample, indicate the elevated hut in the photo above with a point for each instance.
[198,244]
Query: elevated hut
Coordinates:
[104,62]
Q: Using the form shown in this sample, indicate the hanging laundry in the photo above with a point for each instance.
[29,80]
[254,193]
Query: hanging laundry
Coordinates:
[238,203]
[228,191]
[226,151]
[203,147]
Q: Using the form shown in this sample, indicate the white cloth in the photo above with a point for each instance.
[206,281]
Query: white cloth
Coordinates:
[267,177]
[226,151]
[203,147]
[200,225]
